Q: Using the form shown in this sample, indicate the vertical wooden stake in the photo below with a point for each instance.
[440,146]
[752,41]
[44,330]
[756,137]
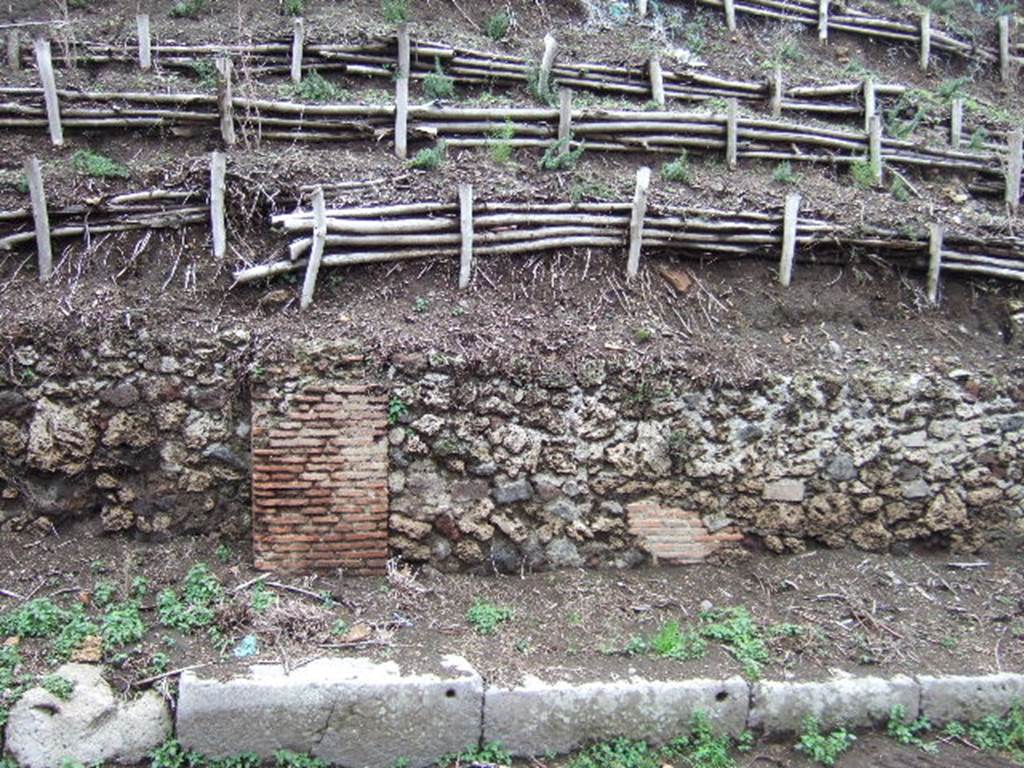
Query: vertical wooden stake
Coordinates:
[636,220]
[875,149]
[789,225]
[1013,168]
[926,40]
[657,81]
[935,233]
[298,40]
[956,122]
[641,8]
[1004,48]
[564,117]
[730,133]
[402,94]
[316,253]
[34,174]
[225,102]
[13,49]
[466,228]
[218,183]
[730,15]
[869,102]
[547,61]
[777,91]
[145,43]
[823,20]
[44,63]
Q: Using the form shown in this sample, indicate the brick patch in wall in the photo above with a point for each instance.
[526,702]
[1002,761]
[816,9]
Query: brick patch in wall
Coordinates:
[672,535]
[319,480]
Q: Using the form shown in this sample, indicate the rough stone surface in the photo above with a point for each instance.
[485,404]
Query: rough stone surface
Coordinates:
[863,702]
[348,712]
[90,727]
[539,717]
[969,698]
[785,490]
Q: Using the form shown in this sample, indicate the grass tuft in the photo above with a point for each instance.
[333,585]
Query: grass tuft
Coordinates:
[99,166]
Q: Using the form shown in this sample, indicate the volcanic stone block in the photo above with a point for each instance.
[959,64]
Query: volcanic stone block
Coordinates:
[968,697]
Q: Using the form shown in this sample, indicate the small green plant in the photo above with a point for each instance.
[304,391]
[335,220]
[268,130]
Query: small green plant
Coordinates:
[618,753]
[395,11]
[678,170]
[205,72]
[429,158]
[36,618]
[491,753]
[497,26]
[863,175]
[261,599]
[636,646]
[171,754]
[292,7]
[703,748]
[784,173]
[73,633]
[103,594]
[99,166]
[484,616]
[139,587]
[188,9]
[559,156]
[823,748]
[421,305]
[285,758]
[437,85]
[735,629]
[195,607]
[223,553]
[314,87]
[397,410]
[994,733]
[159,662]
[671,642]
[642,335]
[122,625]
[542,92]
[244,760]
[978,139]
[595,190]
[58,686]
[500,144]
[899,189]
[906,733]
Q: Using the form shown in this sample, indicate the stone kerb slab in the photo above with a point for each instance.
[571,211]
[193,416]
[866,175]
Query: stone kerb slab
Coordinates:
[541,717]
[860,702]
[964,698]
[348,712]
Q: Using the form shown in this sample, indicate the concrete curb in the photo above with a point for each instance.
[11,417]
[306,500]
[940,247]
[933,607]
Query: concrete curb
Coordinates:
[358,713]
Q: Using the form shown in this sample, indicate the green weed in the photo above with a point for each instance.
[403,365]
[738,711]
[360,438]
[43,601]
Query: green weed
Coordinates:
[314,87]
[72,634]
[195,608]
[862,174]
[823,748]
[678,170]
[205,72]
[784,173]
[491,753]
[899,189]
[36,618]
[994,733]
[103,594]
[429,158]
[497,26]
[903,732]
[736,630]
[484,616]
[542,92]
[58,686]
[620,753]
[642,335]
[122,625]
[978,139]
[703,748]
[285,758]
[500,144]
[171,754]
[437,85]
[671,642]
[261,599]
[188,9]
[558,157]
[99,166]
[395,11]
[397,410]
[292,7]
[594,190]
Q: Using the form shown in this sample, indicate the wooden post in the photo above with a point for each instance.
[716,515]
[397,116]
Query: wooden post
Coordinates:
[636,220]
[641,8]
[875,149]
[777,91]
[34,174]
[145,43]
[402,94]
[926,40]
[218,183]
[225,103]
[1004,48]
[935,233]
[13,49]
[869,102]
[730,15]
[316,253]
[298,39]
[1013,168]
[657,81]
[956,122]
[466,229]
[789,224]
[44,63]
[546,63]
[564,117]
[823,20]
[730,133]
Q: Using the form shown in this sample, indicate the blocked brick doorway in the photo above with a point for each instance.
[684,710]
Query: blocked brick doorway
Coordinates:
[319,478]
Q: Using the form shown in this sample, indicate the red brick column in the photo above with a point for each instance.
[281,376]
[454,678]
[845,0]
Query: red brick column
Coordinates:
[319,480]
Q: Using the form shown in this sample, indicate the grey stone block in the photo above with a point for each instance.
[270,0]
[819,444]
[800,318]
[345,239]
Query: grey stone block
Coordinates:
[969,698]
[349,712]
[541,717]
[863,702]
[784,490]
